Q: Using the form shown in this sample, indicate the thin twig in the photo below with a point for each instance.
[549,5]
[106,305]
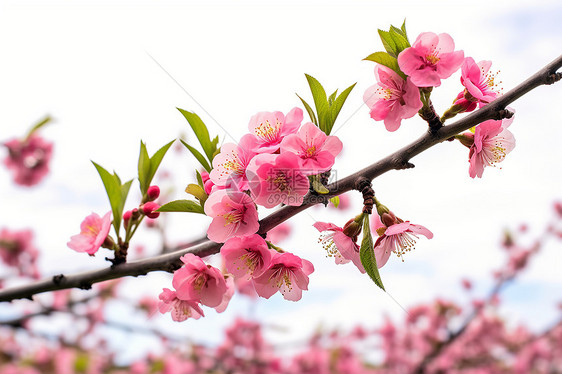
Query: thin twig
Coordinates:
[395,161]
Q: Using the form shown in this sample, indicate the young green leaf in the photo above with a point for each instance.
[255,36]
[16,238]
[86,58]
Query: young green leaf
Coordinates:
[155,161]
[335,200]
[198,156]
[200,130]
[388,43]
[197,191]
[387,60]
[332,98]
[310,111]
[399,39]
[182,206]
[320,100]
[144,168]
[116,193]
[199,179]
[337,105]
[367,254]
[317,185]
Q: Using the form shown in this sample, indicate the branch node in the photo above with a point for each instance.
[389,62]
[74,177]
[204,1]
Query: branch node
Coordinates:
[502,114]
[553,78]
[85,285]
[57,279]
[364,185]
[405,165]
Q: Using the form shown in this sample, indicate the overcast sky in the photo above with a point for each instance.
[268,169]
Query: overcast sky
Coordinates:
[112,73]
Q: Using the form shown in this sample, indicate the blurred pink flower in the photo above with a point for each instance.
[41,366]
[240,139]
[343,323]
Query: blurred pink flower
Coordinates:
[492,142]
[233,213]
[269,128]
[199,282]
[180,309]
[279,233]
[93,231]
[277,179]
[392,99]
[28,159]
[246,256]
[430,59]
[287,274]
[316,150]
[18,251]
[395,235]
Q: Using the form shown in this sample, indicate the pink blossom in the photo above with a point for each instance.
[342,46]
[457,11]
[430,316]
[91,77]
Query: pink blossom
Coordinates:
[180,309]
[288,274]
[316,150]
[463,104]
[28,159]
[395,235]
[480,84]
[269,128]
[18,251]
[392,99]
[93,231]
[430,59]
[227,295]
[199,282]
[247,256]
[279,233]
[277,179]
[229,166]
[492,142]
[207,182]
[338,245]
[233,213]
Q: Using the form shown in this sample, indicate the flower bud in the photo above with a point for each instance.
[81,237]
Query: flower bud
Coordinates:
[153,193]
[149,209]
[388,219]
[466,139]
[127,218]
[353,227]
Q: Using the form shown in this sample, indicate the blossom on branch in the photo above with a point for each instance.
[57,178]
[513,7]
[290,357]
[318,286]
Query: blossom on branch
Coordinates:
[180,309]
[229,166]
[392,99]
[269,128]
[288,274]
[480,84]
[246,256]
[431,58]
[338,245]
[28,159]
[93,231]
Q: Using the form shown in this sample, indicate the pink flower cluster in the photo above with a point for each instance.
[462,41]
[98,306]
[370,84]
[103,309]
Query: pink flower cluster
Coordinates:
[28,159]
[195,284]
[17,251]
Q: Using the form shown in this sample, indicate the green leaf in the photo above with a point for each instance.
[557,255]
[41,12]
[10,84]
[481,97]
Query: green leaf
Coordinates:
[388,43]
[320,100]
[198,156]
[156,159]
[387,60]
[197,191]
[338,104]
[335,200]
[214,143]
[367,254]
[182,206]
[116,193]
[144,168]
[332,98]
[399,39]
[403,28]
[200,130]
[310,111]
[317,185]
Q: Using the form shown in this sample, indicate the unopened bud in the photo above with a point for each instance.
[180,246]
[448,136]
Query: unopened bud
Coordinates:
[108,243]
[388,219]
[135,214]
[466,139]
[149,209]
[153,192]
[353,227]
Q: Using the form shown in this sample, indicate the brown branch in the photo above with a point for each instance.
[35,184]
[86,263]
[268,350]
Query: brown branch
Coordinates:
[395,161]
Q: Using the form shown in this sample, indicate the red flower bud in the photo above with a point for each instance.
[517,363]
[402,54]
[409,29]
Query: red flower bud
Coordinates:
[153,193]
[149,209]
[127,215]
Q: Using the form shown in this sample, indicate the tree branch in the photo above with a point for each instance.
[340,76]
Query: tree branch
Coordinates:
[395,161]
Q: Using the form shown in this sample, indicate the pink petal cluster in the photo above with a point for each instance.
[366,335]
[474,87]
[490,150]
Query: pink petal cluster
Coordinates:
[480,84]
[338,245]
[278,180]
[392,99]
[199,282]
[492,142]
[288,274]
[233,213]
[28,159]
[431,58]
[229,166]
[269,128]
[316,150]
[180,309]
[395,235]
[93,231]
[247,256]
[17,251]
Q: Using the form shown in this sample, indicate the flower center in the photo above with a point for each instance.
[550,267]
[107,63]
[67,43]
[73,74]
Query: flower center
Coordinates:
[432,58]
[327,241]
[200,281]
[311,151]
[268,132]
[234,216]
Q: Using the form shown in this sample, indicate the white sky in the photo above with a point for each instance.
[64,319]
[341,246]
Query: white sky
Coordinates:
[88,64]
